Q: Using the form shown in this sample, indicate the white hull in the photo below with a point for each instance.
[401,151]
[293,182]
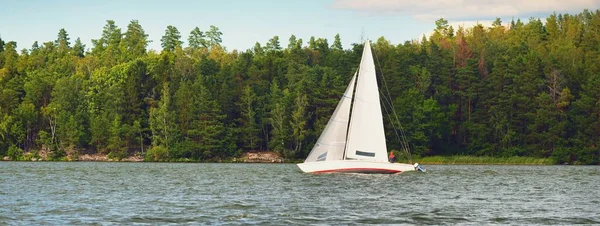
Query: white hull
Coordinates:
[354,166]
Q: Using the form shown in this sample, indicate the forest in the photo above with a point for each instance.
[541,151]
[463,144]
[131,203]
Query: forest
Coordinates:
[512,89]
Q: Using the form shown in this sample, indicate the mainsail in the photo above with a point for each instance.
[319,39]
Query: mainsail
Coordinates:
[331,143]
[366,137]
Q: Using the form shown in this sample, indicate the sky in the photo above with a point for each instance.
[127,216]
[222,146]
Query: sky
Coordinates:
[245,22]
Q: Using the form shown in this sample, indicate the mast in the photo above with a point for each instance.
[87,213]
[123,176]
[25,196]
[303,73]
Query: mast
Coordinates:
[350,115]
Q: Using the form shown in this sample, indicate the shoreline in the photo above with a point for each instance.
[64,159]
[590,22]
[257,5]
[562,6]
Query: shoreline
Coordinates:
[484,160]
[272,157]
[248,157]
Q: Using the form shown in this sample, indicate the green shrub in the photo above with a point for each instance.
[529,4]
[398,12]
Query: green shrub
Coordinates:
[157,154]
[57,155]
[14,152]
[185,149]
[562,155]
[73,154]
[587,156]
[118,153]
[27,156]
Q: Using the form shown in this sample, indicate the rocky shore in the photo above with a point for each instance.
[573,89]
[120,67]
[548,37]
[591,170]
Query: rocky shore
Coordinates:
[104,158]
[260,157]
[43,156]
[249,157]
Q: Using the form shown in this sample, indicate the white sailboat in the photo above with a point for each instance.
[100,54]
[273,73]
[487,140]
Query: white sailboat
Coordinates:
[354,140]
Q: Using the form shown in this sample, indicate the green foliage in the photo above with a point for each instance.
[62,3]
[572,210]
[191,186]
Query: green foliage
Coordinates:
[161,120]
[337,42]
[14,153]
[527,89]
[214,36]
[171,40]
[108,47]
[273,44]
[99,132]
[5,125]
[249,128]
[279,119]
[63,40]
[57,155]
[116,143]
[197,39]
[135,40]
[298,122]
[157,154]
[78,48]
[186,149]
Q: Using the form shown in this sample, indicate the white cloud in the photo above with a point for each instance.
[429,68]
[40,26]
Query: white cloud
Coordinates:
[466,9]
[470,23]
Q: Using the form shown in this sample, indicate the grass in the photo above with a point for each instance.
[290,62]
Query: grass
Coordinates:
[484,160]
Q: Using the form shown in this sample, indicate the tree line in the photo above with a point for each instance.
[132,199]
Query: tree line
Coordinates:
[514,89]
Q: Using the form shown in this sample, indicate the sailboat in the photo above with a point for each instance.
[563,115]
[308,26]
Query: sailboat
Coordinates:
[353,141]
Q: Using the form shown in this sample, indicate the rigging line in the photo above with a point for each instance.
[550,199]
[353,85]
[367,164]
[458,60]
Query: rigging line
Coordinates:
[403,141]
[403,144]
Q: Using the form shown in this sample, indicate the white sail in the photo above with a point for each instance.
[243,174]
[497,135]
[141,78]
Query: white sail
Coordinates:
[366,137]
[331,143]
[357,145]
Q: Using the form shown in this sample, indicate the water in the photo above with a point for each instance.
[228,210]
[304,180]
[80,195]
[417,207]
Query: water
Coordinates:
[67,193]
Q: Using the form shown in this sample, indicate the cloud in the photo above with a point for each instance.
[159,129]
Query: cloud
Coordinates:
[470,23]
[466,9]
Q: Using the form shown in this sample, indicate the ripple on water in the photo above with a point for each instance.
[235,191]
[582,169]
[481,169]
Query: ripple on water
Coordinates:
[162,193]
[161,219]
[423,218]
[490,172]
[499,220]
[236,217]
[236,206]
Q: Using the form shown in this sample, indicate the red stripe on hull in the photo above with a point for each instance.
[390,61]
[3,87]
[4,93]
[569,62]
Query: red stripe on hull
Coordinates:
[360,170]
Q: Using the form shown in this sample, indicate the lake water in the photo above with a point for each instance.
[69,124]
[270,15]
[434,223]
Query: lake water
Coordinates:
[59,193]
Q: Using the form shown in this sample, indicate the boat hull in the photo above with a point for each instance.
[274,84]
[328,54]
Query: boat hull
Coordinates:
[355,166]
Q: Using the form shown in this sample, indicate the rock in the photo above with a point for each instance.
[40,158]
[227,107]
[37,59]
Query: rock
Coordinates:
[93,157]
[6,158]
[137,157]
[263,157]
